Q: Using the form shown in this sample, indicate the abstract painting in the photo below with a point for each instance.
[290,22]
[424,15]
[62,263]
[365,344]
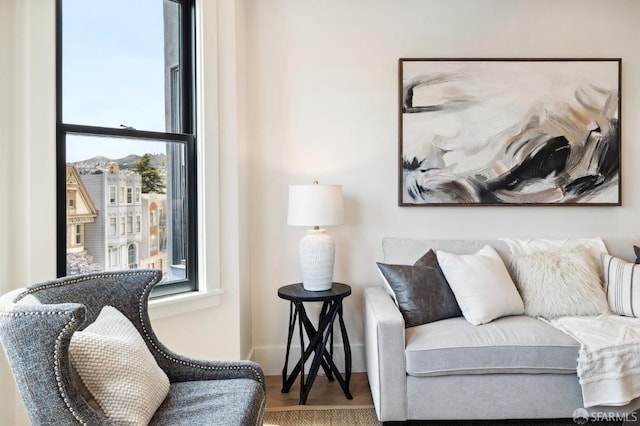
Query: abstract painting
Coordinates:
[509,132]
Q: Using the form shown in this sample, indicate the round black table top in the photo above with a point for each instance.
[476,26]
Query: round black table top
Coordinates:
[297,293]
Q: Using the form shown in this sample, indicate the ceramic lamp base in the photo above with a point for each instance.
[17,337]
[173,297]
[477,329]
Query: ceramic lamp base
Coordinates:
[317,256]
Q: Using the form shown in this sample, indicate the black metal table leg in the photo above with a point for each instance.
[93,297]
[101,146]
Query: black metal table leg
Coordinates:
[347,354]
[292,325]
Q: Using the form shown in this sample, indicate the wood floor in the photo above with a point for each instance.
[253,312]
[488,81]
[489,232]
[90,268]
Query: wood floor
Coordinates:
[323,393]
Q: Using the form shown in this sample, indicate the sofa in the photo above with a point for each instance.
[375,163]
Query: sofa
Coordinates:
[515,366]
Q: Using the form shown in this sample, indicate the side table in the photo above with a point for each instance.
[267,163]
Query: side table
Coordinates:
[318,338]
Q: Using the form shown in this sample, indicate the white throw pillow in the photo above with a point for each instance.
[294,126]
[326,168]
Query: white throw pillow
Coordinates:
[117,368]
[482,286]
[559,282]
[622,286]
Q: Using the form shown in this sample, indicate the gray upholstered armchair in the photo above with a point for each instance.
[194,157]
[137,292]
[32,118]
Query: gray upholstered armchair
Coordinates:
[36,325]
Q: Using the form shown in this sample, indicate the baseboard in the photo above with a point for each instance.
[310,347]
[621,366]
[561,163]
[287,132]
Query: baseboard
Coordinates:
[271,358]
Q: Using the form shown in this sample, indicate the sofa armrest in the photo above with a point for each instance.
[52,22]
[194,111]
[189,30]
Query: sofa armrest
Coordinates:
[385,356]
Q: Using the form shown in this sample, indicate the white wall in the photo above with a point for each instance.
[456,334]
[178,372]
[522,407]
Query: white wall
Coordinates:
[28,135]
[323,104]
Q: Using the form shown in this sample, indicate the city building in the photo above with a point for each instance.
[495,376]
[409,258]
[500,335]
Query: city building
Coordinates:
[80,211]
[114,240]
[153,247]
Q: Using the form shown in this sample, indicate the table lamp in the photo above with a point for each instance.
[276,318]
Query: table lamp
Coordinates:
[316,205]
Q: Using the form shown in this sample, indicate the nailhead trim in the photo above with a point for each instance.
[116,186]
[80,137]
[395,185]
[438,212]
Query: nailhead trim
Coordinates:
[23,314]
[56,364]
[78,280]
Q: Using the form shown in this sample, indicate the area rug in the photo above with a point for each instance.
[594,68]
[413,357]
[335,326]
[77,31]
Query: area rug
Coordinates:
[322,417]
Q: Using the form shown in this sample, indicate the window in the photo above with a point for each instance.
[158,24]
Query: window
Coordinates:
[112,194]
[132,256]
[113,257]
[78,235]
[113,227]
[126,121]
[71,199]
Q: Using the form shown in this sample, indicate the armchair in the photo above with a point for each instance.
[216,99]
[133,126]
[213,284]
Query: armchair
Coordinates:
[36,325]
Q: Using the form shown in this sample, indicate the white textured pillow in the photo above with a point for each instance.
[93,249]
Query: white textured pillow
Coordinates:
[482,286]
[560,282]
[622,286]
[117,368]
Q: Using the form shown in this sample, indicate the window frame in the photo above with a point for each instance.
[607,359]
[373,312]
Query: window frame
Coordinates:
[187,138]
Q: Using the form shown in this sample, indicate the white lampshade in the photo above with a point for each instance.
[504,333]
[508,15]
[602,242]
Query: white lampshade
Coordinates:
[315,205]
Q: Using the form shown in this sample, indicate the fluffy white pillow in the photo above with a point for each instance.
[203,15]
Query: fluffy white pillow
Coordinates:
[482,286]
[622,286]
[117,368]
[559,282]
[595,246]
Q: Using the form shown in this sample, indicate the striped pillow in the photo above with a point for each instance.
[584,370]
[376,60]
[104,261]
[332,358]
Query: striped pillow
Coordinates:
[622,285]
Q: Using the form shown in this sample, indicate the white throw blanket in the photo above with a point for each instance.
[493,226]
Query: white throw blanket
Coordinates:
[609,360]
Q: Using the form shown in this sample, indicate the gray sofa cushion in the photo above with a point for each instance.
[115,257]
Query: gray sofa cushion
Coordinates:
[516,344]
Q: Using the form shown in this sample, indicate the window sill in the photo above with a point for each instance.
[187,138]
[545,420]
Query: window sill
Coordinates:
[180,304]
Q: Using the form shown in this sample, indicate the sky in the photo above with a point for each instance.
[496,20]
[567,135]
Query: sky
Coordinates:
[113,73]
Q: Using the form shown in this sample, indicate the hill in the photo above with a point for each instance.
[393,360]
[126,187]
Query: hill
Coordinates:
[99,164]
